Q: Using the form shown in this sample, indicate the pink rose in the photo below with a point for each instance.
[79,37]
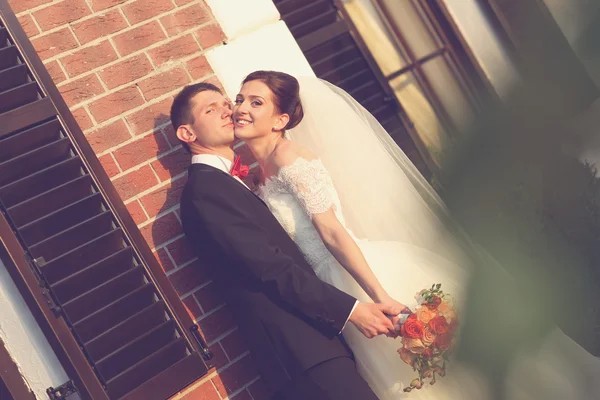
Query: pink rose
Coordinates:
[407,356]
[425,314]
[415,346]
[428,336]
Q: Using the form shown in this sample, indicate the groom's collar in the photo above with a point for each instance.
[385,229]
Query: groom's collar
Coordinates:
[213,160]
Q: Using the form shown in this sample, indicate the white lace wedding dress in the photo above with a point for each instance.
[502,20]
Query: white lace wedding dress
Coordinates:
[305,188]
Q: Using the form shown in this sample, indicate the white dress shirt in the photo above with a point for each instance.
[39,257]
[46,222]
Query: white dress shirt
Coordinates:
[224,165]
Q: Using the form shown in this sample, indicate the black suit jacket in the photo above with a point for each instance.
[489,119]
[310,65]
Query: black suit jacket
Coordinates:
[290,318]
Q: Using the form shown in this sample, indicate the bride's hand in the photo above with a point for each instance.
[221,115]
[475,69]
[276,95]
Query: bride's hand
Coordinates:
[388,301]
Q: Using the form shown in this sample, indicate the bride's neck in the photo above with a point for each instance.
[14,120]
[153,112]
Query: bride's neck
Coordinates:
[262,148]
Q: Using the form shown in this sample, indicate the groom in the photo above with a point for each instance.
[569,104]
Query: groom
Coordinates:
[291,319]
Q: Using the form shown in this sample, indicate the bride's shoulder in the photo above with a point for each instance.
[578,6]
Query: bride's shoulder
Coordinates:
[289,153]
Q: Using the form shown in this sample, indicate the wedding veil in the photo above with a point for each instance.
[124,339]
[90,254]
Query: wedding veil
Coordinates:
[383,195]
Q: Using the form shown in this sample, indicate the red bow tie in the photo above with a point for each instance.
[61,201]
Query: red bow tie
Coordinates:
[239,170]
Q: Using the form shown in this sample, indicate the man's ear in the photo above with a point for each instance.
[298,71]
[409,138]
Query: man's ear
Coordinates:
[281,122]
[185,134]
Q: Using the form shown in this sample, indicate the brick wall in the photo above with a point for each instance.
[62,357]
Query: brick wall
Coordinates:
[118,64]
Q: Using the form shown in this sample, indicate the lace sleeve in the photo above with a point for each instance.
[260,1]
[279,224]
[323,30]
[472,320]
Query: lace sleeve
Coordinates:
[310,183]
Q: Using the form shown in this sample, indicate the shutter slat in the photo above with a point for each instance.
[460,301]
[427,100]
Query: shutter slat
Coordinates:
[126,331]
[114,313]
[73,236]
[83,256]
[30,139]
[309,10]
[313,24]
[147,368]
[29,163]
[8,57]
[3,37]
[26,116]
[322,35]
[50,201]
[40,182]
[135,351]
[18,96]
[104,294]
[346,71]
[287,7]
[326,49]
[59,220]
[94,275]
[13,77]
[329,63]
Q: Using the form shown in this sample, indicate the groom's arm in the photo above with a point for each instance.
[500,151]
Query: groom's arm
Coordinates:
[243,238]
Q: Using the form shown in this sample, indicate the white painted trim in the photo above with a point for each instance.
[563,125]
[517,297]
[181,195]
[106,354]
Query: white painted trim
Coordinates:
[239,17]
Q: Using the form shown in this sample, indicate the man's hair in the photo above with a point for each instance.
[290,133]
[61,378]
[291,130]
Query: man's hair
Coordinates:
[181,109]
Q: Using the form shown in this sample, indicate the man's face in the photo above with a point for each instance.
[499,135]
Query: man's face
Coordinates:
[212,125]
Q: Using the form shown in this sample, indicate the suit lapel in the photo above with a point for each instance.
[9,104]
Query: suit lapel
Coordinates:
[208,168]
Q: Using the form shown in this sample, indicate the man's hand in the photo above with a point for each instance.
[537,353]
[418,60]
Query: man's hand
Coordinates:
[373,319]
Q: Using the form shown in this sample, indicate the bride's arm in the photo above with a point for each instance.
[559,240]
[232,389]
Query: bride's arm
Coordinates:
[343,247]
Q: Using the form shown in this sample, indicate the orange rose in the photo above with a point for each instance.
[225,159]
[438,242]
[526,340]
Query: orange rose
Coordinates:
[428,336]
[447,311]
[415,346]
[412,328]
[443,341]
[425,314]
[438,325]
[407,356]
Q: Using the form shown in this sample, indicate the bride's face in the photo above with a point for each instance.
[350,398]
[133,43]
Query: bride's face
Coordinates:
[254,113]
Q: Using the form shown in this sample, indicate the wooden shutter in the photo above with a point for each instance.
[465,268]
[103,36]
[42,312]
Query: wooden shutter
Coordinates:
[336,53]
[110,313]
[548,59]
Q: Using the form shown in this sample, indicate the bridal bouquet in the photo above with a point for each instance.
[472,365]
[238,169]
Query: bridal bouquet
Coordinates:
[428,335]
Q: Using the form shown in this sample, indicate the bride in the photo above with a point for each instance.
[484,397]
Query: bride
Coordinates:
[363,216]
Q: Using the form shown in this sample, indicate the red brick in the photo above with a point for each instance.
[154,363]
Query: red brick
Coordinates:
[98,5]
[162,229]
[81,89]
[109,165]
[182,2]
[89,58]
[174,50]
[169,132]
[206,391]
[234,344]
[181,251]
[163,199]
[210,297]
[82,118]
[192,307]
[28,25]
[61,13]
[135,182]
[236,376]
[126,71]
[172,164]
[217,323]
[23,5]
[142,10]
[242,396]
[210,35]
[150,117]
[141,150]
[184,19]
[138,38]
[164,82]
[137,212]
[108,136]
[99,26]
[189,277]
[116,103]
[54,43]
[258,390]
[55,72]
[199,67]
[163,259]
